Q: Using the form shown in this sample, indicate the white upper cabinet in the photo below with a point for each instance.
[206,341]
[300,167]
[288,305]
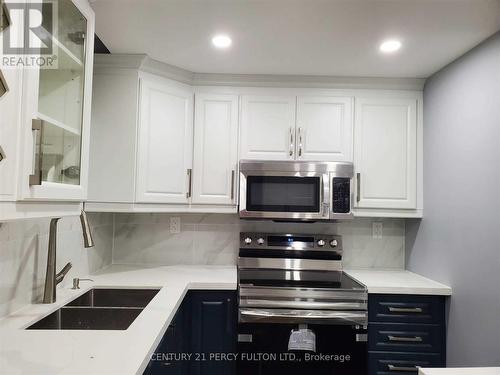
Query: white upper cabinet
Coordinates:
[215,149]
[56,111]
[385,153]
[159,145]
[296,128]
[324,128]
[267,127]
[165,141]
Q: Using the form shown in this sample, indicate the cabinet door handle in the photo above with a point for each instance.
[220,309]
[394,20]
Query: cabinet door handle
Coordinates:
[37,128]
[189,175]
[232,184]
[358,187]
[402,368]
[2,154]
[300,142]
[405,339]
[290,151]
[405,309]
[229,317]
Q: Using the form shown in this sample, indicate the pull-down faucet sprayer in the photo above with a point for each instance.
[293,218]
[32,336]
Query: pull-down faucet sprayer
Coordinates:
[51,278]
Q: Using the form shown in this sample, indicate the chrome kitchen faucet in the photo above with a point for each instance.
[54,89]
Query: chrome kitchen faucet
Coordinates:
[52,278]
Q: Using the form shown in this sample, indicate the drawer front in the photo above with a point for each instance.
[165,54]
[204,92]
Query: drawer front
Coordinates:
[401,363]
[400,308]
[400,337]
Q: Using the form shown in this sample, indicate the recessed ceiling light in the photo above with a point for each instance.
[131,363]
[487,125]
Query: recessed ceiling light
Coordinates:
[390,45]
[221,41]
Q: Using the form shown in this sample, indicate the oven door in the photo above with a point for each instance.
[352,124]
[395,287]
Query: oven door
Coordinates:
[263,349]
[284,195]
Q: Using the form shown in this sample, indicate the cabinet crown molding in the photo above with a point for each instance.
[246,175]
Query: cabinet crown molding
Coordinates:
[145,63]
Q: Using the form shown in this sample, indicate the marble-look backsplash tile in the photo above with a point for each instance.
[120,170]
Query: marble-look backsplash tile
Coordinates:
[23,255]
[214,239]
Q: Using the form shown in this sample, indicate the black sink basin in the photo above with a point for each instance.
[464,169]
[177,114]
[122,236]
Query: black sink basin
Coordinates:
[88,318]
[99,309]
[115,298]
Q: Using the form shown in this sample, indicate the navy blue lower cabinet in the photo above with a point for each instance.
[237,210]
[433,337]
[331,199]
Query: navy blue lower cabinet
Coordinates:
[402,308]
[405,332]
[167,358]
[213,332]
[382,363]
[203,330]
[402,337]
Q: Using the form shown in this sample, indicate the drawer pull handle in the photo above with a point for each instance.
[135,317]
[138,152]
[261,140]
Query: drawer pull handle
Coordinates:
[402,368]
[405,339]
[405,309]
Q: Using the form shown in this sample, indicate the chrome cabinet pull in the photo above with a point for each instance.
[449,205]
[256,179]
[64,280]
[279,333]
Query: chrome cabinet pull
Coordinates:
[189,175]
[300,142]
[358,187]
[36,177]
[291,142]
[232,184]
[405,309]
[405,339]
[402,368]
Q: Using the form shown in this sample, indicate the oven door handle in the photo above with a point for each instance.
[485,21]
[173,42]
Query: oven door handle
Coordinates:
[252,315]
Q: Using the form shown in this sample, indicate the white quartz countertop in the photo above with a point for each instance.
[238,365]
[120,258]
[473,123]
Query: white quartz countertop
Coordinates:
[128,351]
[104,352]
[397,282]
[460,371]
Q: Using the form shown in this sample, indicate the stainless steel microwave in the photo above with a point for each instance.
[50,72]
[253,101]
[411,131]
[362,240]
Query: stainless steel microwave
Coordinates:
[295,190]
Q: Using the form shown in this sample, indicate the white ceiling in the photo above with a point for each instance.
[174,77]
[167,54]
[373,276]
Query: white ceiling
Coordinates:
[310,37]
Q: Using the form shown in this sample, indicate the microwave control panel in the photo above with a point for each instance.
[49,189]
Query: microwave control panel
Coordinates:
[341,195]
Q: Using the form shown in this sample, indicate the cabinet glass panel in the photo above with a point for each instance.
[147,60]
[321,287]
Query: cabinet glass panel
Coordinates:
[60,98]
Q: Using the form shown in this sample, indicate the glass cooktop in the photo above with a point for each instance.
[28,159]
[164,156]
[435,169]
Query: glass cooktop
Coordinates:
[303,279]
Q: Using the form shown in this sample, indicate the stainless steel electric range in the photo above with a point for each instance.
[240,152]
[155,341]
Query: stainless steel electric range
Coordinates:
[297,310]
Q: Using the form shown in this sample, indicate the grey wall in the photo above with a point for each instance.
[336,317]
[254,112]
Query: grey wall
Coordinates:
[458,241]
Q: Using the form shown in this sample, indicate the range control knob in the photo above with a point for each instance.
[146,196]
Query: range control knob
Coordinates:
[260,241]
[321,243]
[333,243]
[248,240]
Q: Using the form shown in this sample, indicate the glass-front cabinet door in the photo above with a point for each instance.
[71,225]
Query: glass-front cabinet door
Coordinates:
[58,104]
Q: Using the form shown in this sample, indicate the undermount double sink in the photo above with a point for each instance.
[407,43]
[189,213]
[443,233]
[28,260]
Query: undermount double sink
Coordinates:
[99,309]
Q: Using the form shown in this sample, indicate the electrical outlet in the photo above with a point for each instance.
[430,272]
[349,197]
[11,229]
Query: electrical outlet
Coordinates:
[175,225]
[377,229]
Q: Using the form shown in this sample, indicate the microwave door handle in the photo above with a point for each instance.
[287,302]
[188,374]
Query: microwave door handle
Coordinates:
[325,196]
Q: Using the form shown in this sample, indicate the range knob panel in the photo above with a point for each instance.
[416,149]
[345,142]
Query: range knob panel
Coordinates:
[321,243]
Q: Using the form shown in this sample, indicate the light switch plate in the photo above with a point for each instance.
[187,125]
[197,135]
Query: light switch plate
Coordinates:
[175,224]
[377,229]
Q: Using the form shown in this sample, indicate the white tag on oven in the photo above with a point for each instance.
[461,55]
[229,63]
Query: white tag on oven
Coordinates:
[302,339]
